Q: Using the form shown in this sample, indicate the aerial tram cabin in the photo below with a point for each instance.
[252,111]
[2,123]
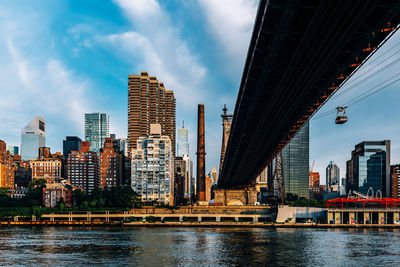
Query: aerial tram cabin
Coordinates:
[341,116]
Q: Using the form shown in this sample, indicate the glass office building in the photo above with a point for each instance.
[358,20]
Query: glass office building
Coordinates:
[96,130]
[71,143]
[332,175]
[33,136]
[295,162]
[183,142]
[369,167]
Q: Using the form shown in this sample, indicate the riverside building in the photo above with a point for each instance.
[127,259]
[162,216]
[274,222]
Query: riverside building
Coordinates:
[6,167]
[369,167]
[295,157]
[148,103]
[47,168]
[83,168]
[153,167]
[110,164]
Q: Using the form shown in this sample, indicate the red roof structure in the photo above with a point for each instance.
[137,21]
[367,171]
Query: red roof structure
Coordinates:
[363,203]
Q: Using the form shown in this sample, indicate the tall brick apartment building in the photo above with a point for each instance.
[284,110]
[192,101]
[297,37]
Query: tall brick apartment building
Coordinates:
[110,165]
[149,103]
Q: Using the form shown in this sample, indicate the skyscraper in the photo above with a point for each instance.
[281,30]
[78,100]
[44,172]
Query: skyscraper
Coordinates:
[332,175]
[183,142]
[153,167]
[96,130]
[33,136]
[71,143]
[369,166]
[295,157]
[149,103]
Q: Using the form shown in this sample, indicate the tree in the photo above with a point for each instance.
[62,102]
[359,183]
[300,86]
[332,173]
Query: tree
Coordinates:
[3,191]
[78,197]
[34,196]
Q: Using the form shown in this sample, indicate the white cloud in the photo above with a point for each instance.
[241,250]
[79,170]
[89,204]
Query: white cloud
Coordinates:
[35,81]
[162,50]
[231,23]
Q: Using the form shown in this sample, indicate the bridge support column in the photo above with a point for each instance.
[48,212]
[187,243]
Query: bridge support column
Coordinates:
[52,217]
[236,197]
[33,218]
[89,216]
[236,219]
[218,219]
[199,219]
[255,219]
[70,216]
[16,218]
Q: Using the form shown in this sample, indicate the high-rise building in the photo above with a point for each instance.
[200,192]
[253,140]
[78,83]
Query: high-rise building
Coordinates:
[96,130]
[153,167]
[295,157]
[369,166]
[395,175]
[83,168]
[332,176]
[6,167]
[189,179]
[33,136]
[71,143]
[184,184]
[314,182]
[110,165]
[183,142]
[14,150]
[149,103]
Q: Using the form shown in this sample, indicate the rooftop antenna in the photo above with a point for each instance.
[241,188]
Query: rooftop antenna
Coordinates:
[183,124]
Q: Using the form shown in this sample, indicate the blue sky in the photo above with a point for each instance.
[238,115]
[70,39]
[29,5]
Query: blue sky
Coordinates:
[60,59]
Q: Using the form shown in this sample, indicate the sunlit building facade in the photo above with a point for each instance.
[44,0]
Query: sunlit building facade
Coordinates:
[83,168]
[152,172]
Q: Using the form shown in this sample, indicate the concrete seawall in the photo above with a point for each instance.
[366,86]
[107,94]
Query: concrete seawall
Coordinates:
[199,224]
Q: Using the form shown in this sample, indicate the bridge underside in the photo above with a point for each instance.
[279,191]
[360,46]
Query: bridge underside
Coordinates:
[300,52]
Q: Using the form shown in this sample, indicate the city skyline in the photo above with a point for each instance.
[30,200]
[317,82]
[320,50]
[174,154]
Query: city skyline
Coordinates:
[46,79]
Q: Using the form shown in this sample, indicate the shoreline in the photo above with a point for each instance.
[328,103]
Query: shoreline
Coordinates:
[204,224]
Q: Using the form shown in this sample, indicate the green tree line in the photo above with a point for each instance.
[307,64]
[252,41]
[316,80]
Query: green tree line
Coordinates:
[116,198]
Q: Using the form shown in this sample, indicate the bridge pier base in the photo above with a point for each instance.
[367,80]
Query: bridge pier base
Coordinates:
[236,197]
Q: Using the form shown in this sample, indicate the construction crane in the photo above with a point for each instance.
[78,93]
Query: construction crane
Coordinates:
[312,166]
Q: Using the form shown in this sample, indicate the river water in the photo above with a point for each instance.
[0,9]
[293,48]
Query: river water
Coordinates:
[66,246]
